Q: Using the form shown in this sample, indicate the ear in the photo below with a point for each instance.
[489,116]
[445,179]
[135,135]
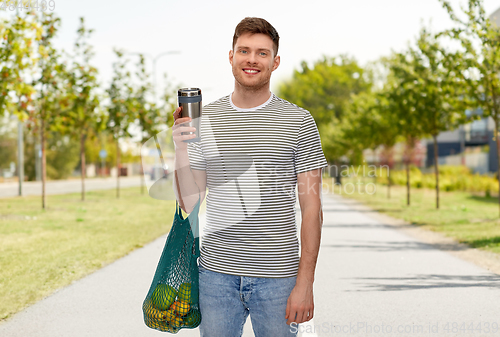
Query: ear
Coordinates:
[276,62]
[231,54]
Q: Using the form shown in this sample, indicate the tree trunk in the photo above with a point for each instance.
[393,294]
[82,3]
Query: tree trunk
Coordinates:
[44,166]
[498,162]
[375,165]
[82,160]
[117,169]
[436,169]
[407,182]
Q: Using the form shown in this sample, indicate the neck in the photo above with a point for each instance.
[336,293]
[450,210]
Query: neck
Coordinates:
[247,99]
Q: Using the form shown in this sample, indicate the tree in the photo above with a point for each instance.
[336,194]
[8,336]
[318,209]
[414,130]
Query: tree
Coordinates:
[84,116]
[17,62]
[478,60]
[326,91]
[372,124]
[121,111]
[437,94]
[400,93]
[51,87]
[148,114]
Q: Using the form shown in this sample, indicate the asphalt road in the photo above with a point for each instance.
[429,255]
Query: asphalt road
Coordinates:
[11,189]
[372,280]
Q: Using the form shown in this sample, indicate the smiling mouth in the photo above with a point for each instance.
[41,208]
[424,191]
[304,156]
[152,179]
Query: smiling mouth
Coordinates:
[251,71]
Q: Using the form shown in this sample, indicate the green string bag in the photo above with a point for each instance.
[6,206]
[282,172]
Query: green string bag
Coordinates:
[172,300]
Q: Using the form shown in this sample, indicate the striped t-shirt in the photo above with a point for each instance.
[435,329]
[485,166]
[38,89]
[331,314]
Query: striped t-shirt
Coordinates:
[252,158]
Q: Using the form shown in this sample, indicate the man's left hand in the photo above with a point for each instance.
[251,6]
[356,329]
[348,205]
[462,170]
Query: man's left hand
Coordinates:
[300,304]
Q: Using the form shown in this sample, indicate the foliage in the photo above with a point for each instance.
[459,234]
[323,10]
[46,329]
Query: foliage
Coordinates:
[17,62]
[8,144]
[478,60]
[82,117]
[29,154]
[371,122]
[452,178]
[326,89]
[121,111]
[148,114]
[62,156]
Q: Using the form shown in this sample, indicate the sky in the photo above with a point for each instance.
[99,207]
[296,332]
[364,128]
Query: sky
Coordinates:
[202,32]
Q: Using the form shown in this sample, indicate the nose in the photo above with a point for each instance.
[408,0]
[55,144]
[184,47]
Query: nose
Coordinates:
[252,58]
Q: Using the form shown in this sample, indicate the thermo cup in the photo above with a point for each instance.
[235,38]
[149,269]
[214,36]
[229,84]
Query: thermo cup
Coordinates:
[190,101]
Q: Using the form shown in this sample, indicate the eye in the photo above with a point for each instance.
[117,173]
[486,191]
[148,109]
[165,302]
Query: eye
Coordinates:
[263,54]
[243,51]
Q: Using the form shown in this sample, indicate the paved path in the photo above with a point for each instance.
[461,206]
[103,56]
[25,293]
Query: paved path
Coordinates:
[372,280]
[11,189]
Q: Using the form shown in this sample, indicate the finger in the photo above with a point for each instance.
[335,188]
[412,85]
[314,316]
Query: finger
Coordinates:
[182,120]
[181,130]
[292,317]
[304,316]
[177,112]
[180,139]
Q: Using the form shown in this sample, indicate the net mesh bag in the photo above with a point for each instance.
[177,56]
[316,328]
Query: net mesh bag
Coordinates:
[172,300]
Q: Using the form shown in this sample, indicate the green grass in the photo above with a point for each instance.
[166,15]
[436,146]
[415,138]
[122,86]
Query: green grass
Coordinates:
[41,251]
[469,219]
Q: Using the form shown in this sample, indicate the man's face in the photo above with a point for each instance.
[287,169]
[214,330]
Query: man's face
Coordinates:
[253,60]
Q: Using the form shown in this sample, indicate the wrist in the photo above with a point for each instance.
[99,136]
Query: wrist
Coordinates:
[304,280]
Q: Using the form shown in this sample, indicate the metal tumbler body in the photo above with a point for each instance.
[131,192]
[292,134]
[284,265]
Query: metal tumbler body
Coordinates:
[190,101]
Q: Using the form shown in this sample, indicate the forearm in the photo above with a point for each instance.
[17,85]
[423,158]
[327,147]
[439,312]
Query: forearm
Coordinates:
[310,235]
[187,191]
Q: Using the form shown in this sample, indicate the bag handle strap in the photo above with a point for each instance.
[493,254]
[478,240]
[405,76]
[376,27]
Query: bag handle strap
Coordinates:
[196,208]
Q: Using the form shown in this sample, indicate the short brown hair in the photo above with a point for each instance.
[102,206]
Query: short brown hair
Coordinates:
[257,26]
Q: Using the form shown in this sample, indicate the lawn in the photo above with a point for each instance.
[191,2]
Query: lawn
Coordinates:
[470,219]
[42,251]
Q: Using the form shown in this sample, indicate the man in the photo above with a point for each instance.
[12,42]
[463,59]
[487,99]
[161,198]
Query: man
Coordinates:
[255,149]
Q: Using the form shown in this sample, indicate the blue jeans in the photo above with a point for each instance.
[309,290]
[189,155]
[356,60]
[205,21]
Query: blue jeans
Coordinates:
[227,300]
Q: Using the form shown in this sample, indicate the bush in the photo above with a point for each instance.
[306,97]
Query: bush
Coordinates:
[451,178]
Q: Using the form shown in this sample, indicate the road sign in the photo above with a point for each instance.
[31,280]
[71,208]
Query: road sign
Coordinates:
[103,154]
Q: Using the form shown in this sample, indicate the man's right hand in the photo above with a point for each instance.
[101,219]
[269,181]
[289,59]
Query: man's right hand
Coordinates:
[179,128]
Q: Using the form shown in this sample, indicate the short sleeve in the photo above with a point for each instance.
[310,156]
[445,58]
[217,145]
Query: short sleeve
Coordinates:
[196,157]
[309,154]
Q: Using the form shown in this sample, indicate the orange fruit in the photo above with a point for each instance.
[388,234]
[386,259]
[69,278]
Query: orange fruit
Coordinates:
[182,308]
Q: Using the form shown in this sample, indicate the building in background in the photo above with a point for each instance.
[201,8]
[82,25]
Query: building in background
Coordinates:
[471,145]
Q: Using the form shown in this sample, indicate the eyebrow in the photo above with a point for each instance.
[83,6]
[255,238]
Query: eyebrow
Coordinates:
[259,49]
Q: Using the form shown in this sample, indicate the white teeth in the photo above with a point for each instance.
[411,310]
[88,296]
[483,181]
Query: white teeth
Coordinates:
[251,71]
